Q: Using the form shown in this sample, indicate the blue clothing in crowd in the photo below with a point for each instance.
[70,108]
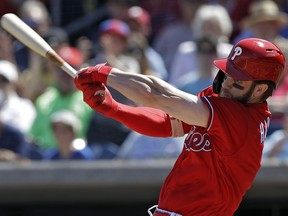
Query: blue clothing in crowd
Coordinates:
[83,154]
[14,140]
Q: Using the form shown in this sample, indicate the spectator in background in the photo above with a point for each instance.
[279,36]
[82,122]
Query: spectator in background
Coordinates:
[95,13]
[66,127]
[56,37]
[14,145]
[284,7]
[35,14]
[265,20]
[39,75]
[16,117]
[196,81]
[62,95]
[14,110]
[237,9]
[167,40]
[86,48]
[162,13]
[212,26]
[150,61]
[113,38]
[276,144]
[139,20]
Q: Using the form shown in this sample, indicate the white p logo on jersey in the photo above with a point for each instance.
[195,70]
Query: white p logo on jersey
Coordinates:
[237,52]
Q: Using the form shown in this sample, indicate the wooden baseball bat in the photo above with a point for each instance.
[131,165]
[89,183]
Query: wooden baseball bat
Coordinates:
[22,32]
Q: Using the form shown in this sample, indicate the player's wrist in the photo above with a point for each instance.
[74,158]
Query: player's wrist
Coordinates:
[100,73]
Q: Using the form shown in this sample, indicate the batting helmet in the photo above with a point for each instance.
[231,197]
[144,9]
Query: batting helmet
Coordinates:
[251,59]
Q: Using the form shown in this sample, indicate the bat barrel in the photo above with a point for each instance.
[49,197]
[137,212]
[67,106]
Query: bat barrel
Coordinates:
[22,32]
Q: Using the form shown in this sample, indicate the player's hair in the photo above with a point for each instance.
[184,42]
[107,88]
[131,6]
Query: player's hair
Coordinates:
[269,91]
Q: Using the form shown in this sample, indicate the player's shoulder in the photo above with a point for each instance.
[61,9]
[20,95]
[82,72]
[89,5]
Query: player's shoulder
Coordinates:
[207,92]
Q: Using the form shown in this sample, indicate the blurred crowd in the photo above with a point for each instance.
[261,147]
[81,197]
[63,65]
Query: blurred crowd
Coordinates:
[42,114]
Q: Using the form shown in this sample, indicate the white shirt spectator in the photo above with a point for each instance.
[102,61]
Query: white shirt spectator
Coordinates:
[14,110]
[18,112]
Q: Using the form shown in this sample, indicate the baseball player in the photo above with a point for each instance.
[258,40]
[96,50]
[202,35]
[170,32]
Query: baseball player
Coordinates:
[226,125]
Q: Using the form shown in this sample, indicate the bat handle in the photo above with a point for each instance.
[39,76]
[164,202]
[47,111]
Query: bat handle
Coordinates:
[68,69]
[55,58]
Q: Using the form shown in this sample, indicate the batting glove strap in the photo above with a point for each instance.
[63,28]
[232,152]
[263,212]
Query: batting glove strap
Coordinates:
[98,73]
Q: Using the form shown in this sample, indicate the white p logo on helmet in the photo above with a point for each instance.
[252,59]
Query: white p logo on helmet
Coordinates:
[237,52]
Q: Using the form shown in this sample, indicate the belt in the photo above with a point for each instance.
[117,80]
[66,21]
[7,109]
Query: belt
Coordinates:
[161,212]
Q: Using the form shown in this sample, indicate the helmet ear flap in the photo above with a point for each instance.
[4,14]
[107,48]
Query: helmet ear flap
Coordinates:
[217,83]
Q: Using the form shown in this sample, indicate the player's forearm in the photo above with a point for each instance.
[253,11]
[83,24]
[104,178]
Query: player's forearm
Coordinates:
[133,86]
[146,90]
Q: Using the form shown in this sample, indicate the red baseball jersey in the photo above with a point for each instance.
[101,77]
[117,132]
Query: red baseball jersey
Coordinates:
[218,163]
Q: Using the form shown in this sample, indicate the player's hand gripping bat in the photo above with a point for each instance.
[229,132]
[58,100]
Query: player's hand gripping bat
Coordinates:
[22,32]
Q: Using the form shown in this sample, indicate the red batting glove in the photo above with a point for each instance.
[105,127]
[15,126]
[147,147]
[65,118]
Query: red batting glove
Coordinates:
[98,97]
[98,73]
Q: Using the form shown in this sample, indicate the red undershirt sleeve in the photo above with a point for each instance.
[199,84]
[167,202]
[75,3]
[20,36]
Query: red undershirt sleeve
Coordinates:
[148,121]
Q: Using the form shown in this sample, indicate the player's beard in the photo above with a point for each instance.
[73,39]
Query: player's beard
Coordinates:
[242,99]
